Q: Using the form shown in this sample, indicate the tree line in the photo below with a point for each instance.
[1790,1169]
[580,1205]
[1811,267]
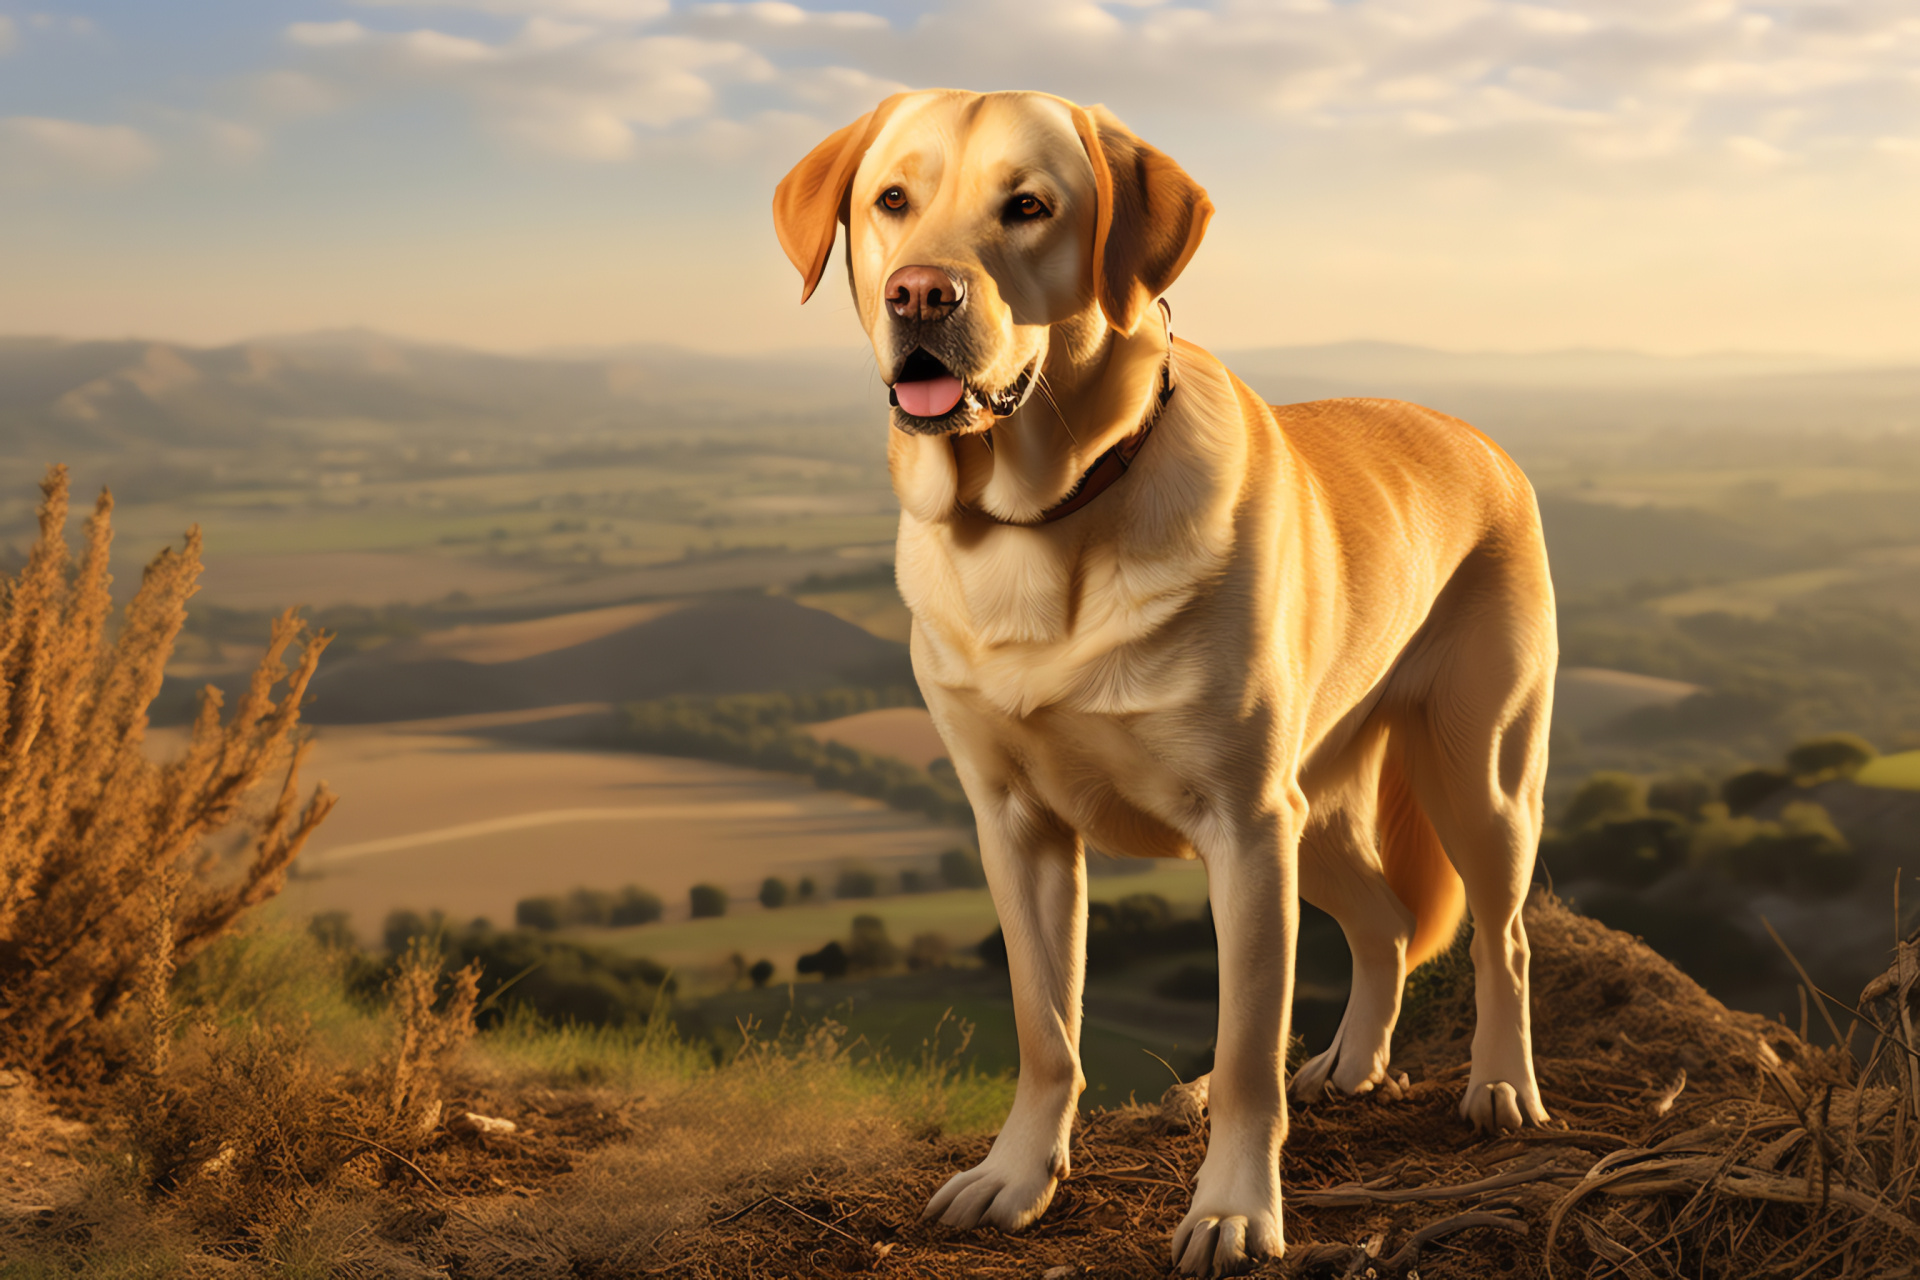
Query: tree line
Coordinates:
[762,731]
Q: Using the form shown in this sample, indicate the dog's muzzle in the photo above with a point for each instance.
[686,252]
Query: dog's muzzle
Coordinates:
[929,399]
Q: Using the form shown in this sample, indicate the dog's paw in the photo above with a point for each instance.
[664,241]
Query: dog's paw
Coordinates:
[1346,1073]
[1234,1223]
[1497,1107]
[1000,1192]
[1219,1242]
[1183,1108]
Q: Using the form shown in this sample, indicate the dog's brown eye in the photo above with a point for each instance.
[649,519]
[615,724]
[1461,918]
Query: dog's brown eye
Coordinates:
[894,198]
[1025,209]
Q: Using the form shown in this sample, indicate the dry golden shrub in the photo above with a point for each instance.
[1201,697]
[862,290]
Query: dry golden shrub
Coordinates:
[107,876]
[253,1129]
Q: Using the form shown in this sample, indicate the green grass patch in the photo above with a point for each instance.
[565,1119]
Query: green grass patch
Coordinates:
[1901,771]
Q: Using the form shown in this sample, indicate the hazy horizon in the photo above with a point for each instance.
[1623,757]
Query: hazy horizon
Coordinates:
[855,345]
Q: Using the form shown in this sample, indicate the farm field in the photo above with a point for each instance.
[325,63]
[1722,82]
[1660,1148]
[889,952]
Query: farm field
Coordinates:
[1584,699]
[1588,698]
[468,825]
[273,580]
[1901,771]
[906,733]
[700,948]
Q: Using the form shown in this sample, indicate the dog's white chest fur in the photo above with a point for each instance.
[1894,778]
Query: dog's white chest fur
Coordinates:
[1045,622]
[1025,618]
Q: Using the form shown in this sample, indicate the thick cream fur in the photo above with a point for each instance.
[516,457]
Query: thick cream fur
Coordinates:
[1285,632]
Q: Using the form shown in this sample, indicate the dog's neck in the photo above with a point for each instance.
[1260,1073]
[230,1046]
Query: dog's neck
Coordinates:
[1097,387]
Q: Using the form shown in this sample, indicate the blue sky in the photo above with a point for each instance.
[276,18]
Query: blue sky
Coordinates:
[1670,175]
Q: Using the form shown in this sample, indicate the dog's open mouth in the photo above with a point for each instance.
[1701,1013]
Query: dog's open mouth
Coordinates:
[926,388]
[933,400]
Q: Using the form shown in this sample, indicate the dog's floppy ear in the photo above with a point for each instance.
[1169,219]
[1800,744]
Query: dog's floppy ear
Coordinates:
[813,197]
[1149,222]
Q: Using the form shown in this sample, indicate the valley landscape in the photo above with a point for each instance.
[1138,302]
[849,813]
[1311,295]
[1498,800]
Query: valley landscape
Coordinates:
[512,549]
[622,628]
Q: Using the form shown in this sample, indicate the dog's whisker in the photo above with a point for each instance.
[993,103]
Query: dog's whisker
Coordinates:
[1040,385]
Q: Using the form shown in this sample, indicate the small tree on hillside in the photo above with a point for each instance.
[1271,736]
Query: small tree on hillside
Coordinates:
[856,882]
[773,893]
[634,905]
[1748,790]
[870,949]
[544,913]
[107,878]
[590,907]
[1685,794]
[1830,755]
[708,900]
[1606,797]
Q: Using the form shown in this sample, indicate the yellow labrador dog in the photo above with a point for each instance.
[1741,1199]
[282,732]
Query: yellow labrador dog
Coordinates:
[1312,645]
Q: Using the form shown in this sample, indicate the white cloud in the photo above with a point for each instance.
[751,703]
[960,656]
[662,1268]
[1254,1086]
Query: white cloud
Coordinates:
[38,151]
[1624,81]
[68,23]
[228,141]
[287,93]
[555,87]
[777,14]
[1619,79]
[1757,152]
[619,11]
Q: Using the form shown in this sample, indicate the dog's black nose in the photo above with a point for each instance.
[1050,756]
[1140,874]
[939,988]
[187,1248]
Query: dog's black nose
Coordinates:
[923,293]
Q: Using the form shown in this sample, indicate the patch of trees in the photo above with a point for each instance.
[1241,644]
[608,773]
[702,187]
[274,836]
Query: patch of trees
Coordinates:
[588,908]
[958,869]
[870,949]
[761,731]
[1119,933]
[1621,830]
[880,575]
[562,981]
[707,901]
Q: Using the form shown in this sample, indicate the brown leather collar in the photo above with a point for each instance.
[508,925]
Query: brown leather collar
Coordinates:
[1115,462]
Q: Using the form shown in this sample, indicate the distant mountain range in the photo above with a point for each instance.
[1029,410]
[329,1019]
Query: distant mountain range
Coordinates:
[112,395]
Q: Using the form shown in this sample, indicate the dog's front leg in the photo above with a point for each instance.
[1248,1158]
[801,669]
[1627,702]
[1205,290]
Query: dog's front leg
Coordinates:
[1037,873]
[1251,884]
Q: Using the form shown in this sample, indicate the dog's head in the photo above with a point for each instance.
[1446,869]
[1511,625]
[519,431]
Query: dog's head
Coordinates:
[976,223]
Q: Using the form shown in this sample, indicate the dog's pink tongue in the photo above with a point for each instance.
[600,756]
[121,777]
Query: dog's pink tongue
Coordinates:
[929,399]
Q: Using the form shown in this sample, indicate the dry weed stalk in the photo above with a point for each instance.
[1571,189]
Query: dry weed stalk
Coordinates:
[89,825]
[427,1037]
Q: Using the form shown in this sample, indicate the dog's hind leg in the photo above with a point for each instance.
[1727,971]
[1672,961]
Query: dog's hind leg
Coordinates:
[1341,873]
[1477,761]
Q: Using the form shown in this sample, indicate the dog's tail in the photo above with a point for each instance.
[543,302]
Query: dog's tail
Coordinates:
[1417,868]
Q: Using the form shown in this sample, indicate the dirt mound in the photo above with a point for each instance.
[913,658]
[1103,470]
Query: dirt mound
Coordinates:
[1762,1164]
[736,644]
